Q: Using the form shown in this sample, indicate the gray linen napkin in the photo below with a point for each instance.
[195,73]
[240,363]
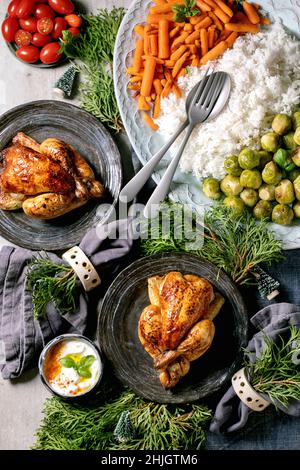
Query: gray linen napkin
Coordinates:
[21,334]
[275,320]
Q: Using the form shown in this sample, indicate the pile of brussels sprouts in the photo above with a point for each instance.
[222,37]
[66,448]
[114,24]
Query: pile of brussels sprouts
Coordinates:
[266,180]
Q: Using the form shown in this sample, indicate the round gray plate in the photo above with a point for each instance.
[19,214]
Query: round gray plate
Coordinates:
[118,331]
[42,119]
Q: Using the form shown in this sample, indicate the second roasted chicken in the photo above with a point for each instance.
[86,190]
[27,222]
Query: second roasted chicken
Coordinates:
[177,327]
[45,180]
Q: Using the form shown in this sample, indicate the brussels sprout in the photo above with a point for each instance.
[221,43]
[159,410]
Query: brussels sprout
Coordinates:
[235,203]
[281,124]
[251,179]
[297,136]
[283,159]
[248,159]
[296,119]
[296,209]
[231,165]
[282,214]
[211,188]
[294,174]
[284,192]
[289,142]
[267,192]
[265,157]
[271,174]
[270,142]
[296,156]
[230,185]
[249,197]
[297,187]
[262,210]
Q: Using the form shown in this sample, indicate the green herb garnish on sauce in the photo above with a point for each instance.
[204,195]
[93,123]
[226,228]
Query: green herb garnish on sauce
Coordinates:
[82,367]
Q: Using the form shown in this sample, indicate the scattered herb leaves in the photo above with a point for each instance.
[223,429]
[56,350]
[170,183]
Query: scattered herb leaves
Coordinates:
[184,11]
[82,367]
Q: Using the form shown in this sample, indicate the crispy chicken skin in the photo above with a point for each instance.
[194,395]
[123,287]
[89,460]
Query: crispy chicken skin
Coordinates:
[47,180]
[177,327]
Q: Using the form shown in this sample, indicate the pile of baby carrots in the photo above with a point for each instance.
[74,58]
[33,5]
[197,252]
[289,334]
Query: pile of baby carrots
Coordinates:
[166,47]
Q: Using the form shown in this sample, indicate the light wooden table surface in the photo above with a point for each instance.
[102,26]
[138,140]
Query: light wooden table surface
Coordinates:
[21,401]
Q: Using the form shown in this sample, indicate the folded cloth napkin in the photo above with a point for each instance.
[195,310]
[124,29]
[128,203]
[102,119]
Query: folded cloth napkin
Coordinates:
[275,320]
[21,334]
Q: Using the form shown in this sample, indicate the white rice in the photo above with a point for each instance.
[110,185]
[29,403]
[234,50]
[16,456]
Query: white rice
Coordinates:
[265,73]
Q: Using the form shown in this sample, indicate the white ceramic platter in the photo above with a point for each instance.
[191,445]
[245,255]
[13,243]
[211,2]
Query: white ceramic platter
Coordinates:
[185,187]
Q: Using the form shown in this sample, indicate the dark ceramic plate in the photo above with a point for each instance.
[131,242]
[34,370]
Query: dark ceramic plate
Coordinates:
[118,331]
[42,119]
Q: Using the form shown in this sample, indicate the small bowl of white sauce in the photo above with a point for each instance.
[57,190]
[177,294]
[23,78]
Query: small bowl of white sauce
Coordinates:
[70,366]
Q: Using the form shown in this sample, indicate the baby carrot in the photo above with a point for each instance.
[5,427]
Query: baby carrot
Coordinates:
[147,44]
[176,90]
[192,37]
[169,63]
[203,6]
[142,104]
[156,109]
[157,60]
[195,62]
[137,59]
[157,18]
[214,53]
[188,27]
[153,45]
[137,78]
[196,19]
[204,23]
[182,72]
[264,21]
[241,17]
[179,64]
[227,10]
[211,3]
[193,48]
[159,2]
[163,82]
[174,31]
[216,20]
[136,86]
[251,12]
[157,86]
[164,8]
[148,76]
[231,39]
[178,53]
[242,28]
[139,29]
[222,16]
[167,88]
[148,120]
[179,40]
[204,41]
[211,36]
[163,40]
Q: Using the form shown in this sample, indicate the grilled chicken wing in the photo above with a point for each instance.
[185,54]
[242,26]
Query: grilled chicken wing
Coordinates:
[54,172]
[177,327]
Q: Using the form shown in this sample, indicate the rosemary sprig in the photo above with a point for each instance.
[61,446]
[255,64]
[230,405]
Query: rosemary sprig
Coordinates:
[274,372]
[234,244]
[51,282]
[91,426]
[184,11]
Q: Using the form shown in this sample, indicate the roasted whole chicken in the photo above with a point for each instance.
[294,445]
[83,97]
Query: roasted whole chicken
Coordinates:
[177,327]
[46,180]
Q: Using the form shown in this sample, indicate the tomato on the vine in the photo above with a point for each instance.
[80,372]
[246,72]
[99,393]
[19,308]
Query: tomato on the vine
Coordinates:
[74,20]
[50,53]
[60,25]
[74,31]
[40,40]
[45,26]
[43,11]
[13,8]
[9,28]
[63,7]
[23,38]
[29,54]
[29,24]
[25,8]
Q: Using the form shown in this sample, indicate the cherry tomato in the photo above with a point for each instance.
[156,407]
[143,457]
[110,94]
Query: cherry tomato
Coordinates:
[25,8]
[45,26]
[23,38]
[49,53]
[60,25]
[29,54]
[9,28]
[43,11]
[29,24]
[74,31]
[74,20]
[13,8]
[63,7]
[40,40]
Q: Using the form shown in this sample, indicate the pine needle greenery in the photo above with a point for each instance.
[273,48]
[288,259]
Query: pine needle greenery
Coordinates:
[234,244]
[51,282]
[91,426]
[274,372]
[94,49]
